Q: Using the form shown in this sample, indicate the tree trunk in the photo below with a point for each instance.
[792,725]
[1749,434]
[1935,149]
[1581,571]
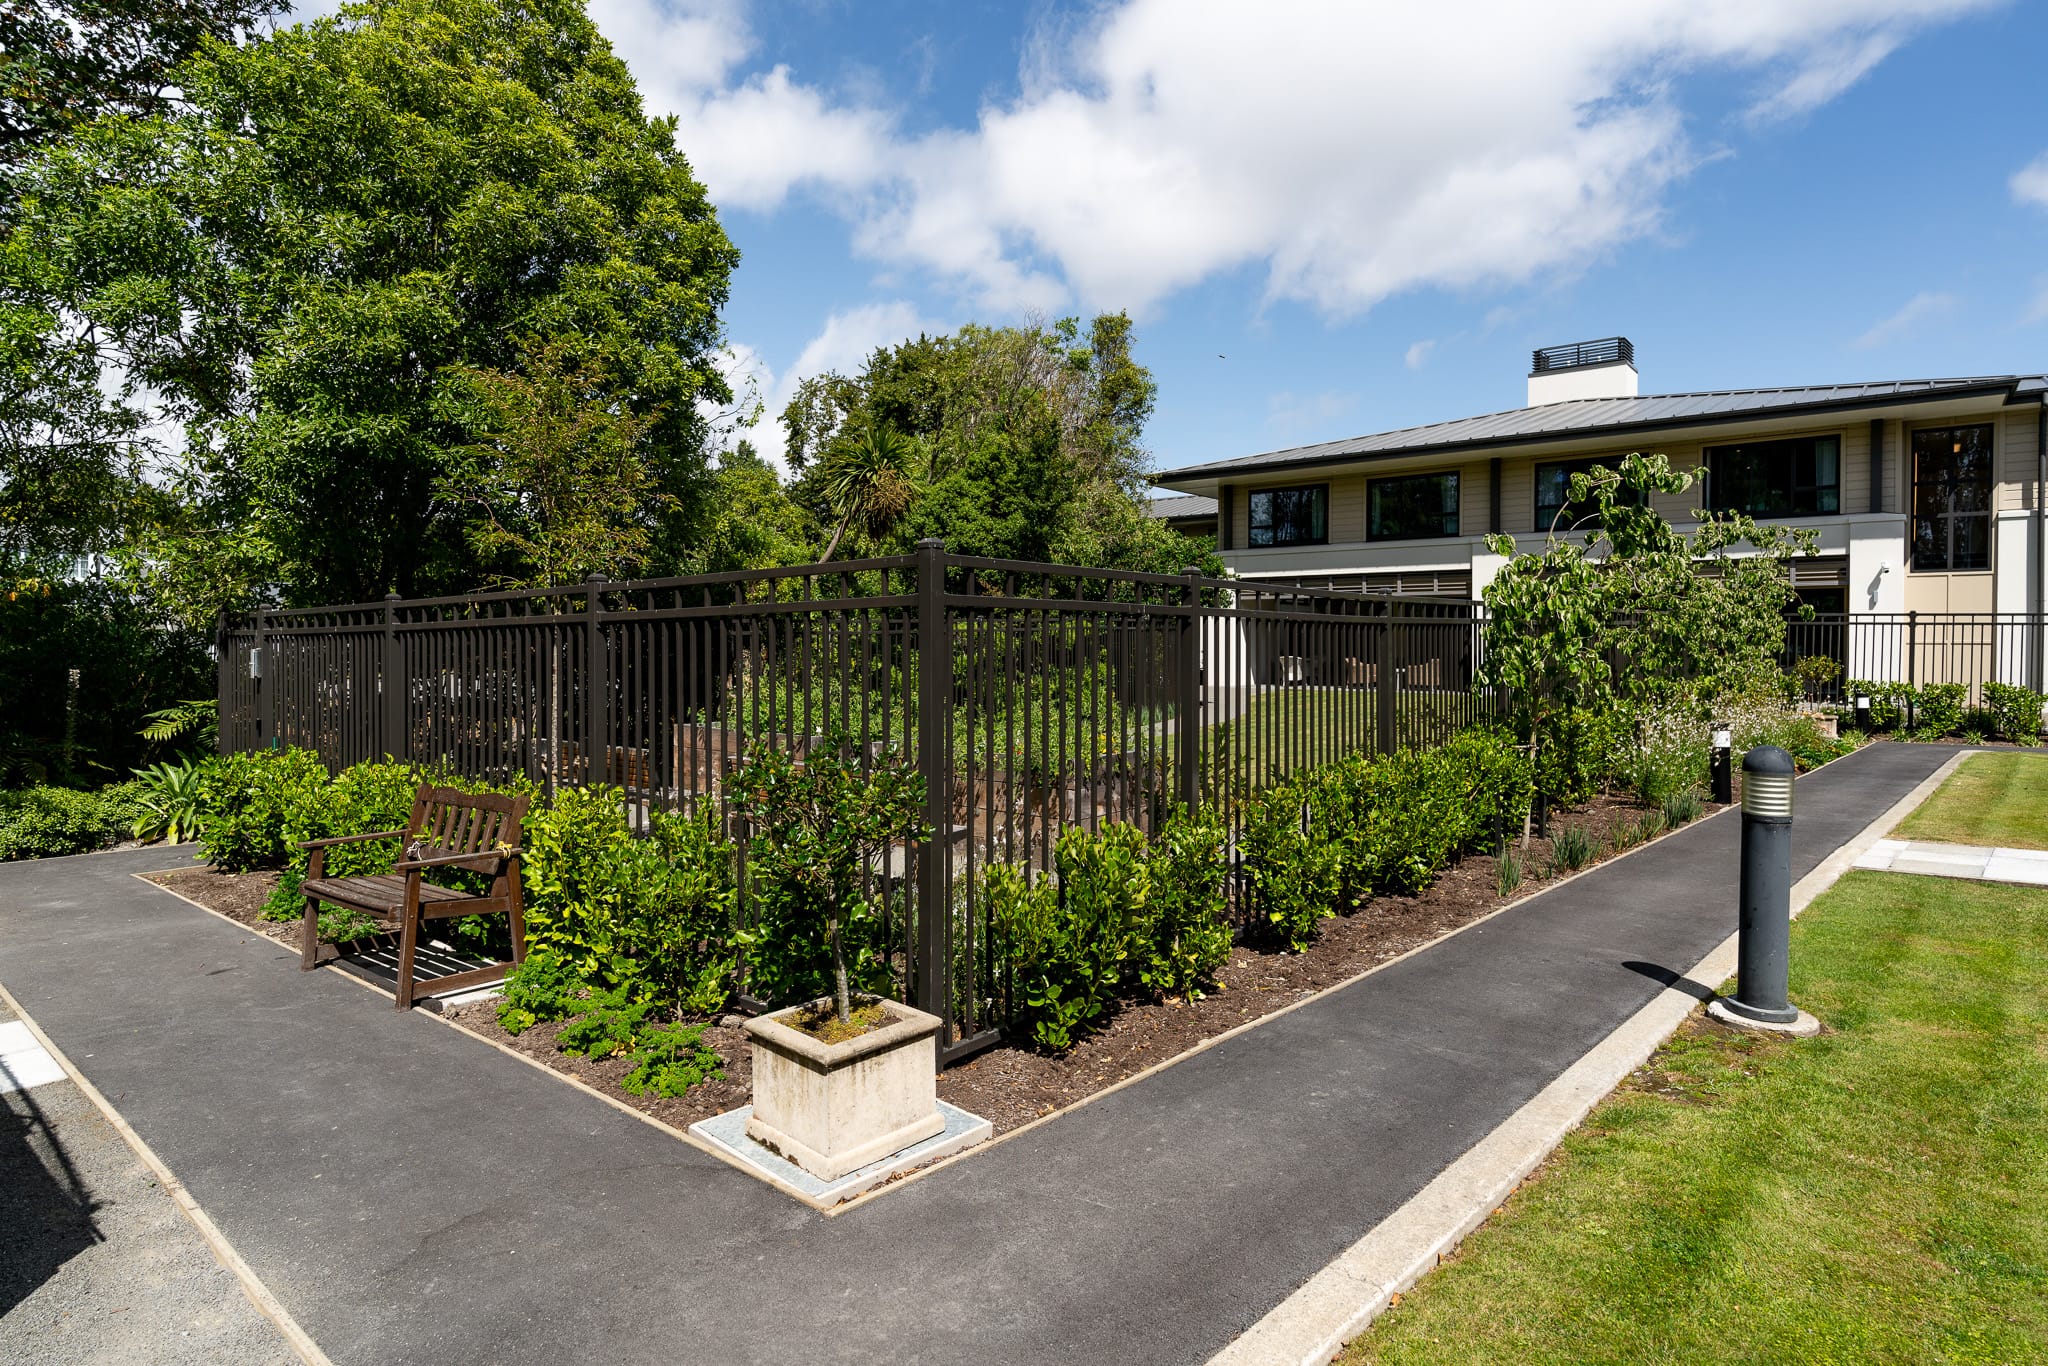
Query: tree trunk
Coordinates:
[1535,782]
[839,974]
[837,532]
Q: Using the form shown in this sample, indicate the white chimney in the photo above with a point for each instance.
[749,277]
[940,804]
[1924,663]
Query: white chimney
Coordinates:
[1589,369]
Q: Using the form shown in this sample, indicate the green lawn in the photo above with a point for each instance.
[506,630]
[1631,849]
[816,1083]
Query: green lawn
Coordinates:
[1994,799]
[1284,729]
[1879,1194]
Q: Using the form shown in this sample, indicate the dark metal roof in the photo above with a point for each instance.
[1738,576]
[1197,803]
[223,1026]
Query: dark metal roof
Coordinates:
[1595,416]
[1182,505]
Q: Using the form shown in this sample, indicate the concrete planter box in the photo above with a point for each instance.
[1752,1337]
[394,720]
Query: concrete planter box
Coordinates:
[834,1108]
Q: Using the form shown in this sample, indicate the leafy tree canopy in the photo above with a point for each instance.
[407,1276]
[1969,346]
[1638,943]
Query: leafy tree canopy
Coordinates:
[63,62]
[1625,609]
[1016,442]
[311,262]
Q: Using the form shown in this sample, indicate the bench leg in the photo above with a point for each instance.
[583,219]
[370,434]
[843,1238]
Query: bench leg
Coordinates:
[408,940]
[309,937]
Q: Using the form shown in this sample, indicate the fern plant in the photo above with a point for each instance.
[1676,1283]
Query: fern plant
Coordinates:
[168,804]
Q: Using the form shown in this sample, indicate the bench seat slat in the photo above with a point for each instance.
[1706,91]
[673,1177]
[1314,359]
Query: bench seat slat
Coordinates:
[382,893]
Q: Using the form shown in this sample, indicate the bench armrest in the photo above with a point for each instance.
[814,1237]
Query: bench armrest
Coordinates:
[481,856]
[353,839]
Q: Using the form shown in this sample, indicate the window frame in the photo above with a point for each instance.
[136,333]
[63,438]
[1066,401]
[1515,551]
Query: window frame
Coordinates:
[1457,515]
[1711,456]
[1577,464]
[1984,514]
[1251,526]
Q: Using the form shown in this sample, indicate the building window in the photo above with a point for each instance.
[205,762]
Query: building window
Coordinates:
[1554,491]
[1291,516]
[1411,507]
[1800,477]
[1952,498]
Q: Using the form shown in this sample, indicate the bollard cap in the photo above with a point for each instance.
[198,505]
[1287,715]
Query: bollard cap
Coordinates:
[1767,774]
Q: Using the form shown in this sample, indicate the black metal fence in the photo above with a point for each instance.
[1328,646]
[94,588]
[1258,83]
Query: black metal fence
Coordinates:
[1920,648]
[1032,697]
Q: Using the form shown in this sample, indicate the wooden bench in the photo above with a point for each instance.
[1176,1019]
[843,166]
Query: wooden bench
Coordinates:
[448,829]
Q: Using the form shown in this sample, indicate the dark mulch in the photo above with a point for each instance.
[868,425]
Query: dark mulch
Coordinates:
[238,896]
[1011,1086]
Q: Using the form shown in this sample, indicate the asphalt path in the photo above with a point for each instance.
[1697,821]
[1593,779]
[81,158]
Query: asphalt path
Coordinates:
[410,1194]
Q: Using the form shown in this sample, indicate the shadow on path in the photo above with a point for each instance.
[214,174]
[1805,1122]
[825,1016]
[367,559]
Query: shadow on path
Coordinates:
[46,1213]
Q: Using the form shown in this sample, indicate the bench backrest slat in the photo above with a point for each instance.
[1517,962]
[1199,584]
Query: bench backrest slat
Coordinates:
[448,821]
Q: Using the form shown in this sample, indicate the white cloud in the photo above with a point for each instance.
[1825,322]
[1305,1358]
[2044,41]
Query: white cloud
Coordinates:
[1827,73]
[2030,182]
[1918,309]
[844,344]
[1349,152]
[1418,354]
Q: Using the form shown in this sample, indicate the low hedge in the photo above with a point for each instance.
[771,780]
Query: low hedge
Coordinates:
[48,822]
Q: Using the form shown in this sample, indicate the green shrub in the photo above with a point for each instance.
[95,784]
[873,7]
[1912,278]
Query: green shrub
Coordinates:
[1295,878]
[1887,701]
[2015,712]
[543,988]
[1071,940]
[669,1059]
[48,822]
[607,1025]
[1573,761]
[1415,820]
[1497,783]
[1662,751]
[654,914]
[1938,708]
[1189,939]
[253,806]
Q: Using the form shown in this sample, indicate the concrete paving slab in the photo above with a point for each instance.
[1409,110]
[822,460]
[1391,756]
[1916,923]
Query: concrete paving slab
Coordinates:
[412,1195]
[729,1133]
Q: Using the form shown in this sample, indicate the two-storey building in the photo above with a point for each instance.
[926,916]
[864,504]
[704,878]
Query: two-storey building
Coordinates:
[1927,494]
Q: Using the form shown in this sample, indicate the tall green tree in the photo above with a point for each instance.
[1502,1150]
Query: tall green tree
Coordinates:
[310,260]
[1030,444]
[63,62]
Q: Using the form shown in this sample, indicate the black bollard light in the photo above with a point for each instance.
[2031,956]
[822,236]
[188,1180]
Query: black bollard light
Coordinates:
[1763,948]
[1723,767]
[1863,712]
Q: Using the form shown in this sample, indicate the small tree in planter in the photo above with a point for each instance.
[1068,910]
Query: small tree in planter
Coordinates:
[831,1101]
[822,829]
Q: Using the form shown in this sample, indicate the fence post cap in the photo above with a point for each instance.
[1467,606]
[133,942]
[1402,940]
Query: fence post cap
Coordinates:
[931,543]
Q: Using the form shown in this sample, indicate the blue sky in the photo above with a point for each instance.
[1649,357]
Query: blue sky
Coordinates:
[1333,219]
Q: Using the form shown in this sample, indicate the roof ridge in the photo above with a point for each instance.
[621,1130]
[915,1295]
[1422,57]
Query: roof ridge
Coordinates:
[1389,439]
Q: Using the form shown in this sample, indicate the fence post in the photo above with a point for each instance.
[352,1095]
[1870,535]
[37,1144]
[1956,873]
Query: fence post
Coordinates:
[262,676]
[391,724]
[934,890]
[1188,705]
[596,686]
[224,665]
[1385,682]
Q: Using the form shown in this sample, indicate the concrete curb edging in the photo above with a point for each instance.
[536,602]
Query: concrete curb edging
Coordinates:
[258,1293]
[1336,1304]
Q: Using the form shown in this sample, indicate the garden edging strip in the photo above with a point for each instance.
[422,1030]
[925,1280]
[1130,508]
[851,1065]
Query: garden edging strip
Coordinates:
[1337,1303]
[257,1293]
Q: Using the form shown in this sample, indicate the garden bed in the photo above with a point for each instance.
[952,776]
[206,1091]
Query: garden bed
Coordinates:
[1012,1086]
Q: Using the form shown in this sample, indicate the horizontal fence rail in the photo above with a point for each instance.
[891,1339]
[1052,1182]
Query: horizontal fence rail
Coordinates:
[1919,649]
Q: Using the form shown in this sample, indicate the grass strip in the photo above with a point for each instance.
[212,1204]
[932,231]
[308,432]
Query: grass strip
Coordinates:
[1991,799]
[1878,1194]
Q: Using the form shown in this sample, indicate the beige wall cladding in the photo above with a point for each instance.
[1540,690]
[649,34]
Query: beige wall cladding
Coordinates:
[2017,454]
[1949,592]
